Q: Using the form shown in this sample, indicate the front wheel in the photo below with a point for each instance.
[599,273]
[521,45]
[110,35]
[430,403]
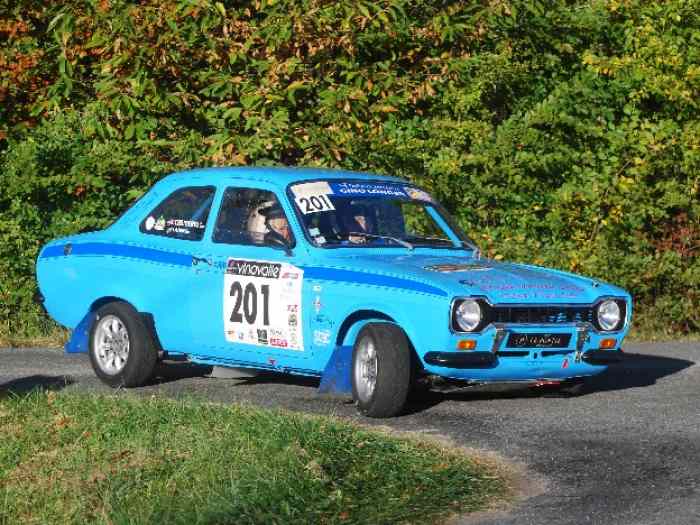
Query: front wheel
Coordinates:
[121,348]
[381,370]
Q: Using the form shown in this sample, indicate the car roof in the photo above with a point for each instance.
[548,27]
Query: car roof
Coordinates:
[279,176]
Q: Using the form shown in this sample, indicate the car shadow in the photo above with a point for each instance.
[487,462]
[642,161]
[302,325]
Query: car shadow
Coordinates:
[268,377]
[168,371]
[24,385]
[634,371]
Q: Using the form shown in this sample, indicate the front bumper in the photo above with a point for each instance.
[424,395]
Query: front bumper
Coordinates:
[494,361]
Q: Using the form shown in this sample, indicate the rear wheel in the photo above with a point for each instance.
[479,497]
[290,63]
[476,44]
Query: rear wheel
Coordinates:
[381,370]
[121,348]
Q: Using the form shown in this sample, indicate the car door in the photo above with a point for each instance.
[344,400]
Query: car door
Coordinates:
[169,235]
[247,308]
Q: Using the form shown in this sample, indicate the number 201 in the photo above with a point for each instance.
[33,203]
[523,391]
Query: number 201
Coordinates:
[316,203]
[248,299]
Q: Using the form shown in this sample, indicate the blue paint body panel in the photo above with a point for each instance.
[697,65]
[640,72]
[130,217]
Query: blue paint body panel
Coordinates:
[185,286]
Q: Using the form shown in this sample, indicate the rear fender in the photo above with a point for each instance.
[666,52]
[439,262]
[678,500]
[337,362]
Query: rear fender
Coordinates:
[79,342]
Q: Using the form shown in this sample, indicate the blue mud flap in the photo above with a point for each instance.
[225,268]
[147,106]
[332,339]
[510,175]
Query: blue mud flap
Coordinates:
[80,338]
[336,377]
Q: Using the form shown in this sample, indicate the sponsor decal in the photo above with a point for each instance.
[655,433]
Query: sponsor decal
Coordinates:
[183,223]
[160,224]
[182,231]
[150,223]
[266,270]
[281,343]
[368,189]
[292,307]
[317,288]
[317,304]
[293,319]
[262,337]
[322,337]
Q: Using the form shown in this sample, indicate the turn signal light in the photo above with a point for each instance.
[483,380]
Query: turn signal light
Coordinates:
[466,344]
[606,344]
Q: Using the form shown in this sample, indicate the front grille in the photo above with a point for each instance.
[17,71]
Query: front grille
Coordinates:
[540,314]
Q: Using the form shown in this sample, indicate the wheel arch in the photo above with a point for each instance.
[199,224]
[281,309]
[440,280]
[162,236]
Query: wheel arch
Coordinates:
[146,317]
[354,322]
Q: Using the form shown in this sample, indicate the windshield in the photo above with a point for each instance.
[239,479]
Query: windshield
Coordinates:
[373,214]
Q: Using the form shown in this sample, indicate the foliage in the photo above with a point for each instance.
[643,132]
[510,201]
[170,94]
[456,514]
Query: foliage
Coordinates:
[74,458]
[563,133]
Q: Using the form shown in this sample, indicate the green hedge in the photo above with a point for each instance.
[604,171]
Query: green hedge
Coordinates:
[561,133]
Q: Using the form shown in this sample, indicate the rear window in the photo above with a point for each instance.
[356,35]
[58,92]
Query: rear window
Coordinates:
[181,215]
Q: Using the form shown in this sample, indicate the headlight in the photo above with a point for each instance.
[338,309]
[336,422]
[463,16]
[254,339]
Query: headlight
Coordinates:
[609,315]
[468,315]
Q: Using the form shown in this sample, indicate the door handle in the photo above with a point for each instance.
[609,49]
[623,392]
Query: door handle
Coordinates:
[198,260]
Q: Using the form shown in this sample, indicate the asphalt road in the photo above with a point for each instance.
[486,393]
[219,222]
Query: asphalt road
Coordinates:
[626,451]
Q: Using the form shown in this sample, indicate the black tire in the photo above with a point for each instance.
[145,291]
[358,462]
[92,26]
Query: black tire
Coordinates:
[392,372]
[142,354]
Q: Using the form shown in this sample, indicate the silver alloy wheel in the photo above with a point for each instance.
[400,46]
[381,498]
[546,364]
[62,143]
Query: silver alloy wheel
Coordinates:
[366,369]
[111,344]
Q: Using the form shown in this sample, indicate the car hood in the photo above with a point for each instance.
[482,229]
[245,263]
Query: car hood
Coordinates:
[500,282]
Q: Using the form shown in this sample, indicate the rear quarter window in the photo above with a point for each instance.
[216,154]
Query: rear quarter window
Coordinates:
[181,215]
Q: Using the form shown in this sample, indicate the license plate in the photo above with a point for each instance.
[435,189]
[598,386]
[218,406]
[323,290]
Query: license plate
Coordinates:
[516,340]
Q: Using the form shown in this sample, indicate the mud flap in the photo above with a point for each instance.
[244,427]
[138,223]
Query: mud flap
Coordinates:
[336,378]
[79,341]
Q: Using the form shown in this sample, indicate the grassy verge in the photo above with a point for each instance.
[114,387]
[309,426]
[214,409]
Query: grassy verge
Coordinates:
[32,331]
[75,458]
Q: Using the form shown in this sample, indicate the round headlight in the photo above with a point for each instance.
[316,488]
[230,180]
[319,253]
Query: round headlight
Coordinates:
[468,315]
[608,315]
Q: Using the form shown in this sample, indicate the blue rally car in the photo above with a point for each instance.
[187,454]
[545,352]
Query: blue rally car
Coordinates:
[362,280]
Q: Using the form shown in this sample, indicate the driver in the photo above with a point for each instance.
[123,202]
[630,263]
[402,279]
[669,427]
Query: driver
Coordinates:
[276,222]
[355,221]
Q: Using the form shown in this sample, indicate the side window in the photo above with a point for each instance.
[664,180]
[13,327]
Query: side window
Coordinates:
[182,215]
[252,216]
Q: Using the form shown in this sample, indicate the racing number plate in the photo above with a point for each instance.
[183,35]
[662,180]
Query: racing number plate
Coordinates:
[538,340]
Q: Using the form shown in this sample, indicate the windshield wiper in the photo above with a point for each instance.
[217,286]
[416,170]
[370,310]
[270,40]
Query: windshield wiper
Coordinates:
[403,243]
[441,239]
[462,244]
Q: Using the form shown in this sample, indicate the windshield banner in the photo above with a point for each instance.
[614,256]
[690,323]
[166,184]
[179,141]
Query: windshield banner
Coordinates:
[317,191]
[368,189]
